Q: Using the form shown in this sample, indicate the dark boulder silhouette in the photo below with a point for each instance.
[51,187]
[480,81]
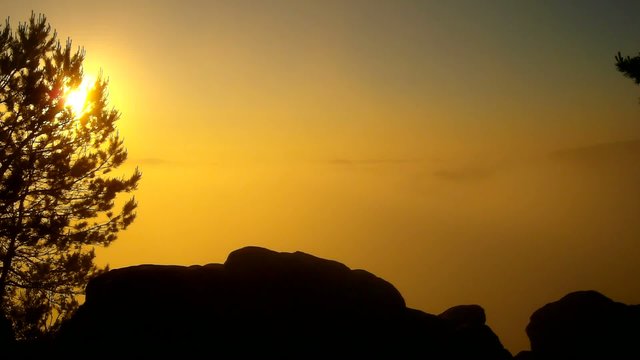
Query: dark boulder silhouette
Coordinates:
[471,335]
[264,303]
[7,337]
[584,325]
[464,316]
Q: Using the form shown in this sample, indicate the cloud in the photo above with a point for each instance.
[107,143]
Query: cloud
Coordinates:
[605,153]
[463,174]
[373,161]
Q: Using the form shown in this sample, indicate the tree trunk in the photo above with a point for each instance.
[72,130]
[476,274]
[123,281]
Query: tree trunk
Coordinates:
[11,252]
[6,265]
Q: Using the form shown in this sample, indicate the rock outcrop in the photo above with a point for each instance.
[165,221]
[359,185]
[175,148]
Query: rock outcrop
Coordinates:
[267,304]
[471,335]
[584,325]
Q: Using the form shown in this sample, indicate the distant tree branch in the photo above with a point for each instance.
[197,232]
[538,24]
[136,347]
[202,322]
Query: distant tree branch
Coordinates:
[629,66]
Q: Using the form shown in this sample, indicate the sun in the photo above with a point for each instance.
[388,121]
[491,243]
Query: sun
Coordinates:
[76,98]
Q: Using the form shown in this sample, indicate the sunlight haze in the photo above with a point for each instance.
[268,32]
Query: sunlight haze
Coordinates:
[76,98]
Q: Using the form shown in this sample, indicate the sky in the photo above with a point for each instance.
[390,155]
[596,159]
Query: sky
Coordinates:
[479,152]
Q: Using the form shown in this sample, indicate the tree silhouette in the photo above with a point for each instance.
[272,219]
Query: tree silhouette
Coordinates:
[629,67]
[56,199]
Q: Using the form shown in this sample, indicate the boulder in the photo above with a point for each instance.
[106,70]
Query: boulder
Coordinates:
[462,316]
[471,336]
[584,325]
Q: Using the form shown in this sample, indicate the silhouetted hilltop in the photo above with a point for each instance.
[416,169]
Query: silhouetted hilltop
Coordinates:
[264,303]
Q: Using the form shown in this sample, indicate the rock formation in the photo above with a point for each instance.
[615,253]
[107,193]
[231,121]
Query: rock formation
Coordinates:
[267,304]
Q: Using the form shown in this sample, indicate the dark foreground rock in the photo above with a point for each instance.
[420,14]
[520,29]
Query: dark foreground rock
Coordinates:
[584,325]
[470,331]
[7,342]
[267,304]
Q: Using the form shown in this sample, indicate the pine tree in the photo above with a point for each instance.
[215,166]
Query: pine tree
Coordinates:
[629,67]
[57,197]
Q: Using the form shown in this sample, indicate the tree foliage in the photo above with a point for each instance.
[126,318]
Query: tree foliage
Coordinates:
[629,67]
[57,196]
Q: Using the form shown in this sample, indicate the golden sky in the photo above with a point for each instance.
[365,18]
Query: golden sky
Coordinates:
[415,139]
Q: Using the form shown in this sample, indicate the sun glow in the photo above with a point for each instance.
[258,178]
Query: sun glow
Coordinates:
[76,98]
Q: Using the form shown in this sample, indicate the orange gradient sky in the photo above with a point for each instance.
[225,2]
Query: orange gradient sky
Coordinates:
[415,139]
